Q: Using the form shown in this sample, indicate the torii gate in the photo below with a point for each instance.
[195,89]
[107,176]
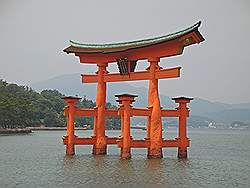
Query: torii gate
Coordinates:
[126,55]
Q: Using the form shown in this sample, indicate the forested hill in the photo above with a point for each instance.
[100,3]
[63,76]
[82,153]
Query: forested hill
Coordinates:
[20,106]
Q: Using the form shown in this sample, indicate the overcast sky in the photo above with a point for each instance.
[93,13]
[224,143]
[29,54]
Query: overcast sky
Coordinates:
[34,33]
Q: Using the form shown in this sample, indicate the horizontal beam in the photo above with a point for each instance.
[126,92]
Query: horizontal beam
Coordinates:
[84,141]
[146,112]
[140,144]
[171,48]
[132,76]
[80,141]
[170,143]
[93,112]
[140,112]
[135,112]
[146,143]
[170,113]
[89,141]
[85,112]
[168,73]
[134,143]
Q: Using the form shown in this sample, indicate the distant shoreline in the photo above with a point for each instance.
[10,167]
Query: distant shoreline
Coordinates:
[65,128]
[15,131]
[31,129]
[53,128]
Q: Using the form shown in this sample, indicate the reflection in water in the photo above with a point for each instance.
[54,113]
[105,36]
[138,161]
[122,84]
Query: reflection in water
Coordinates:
[110,171]
[182,163]
[154,169]
[153,164]
[125,166]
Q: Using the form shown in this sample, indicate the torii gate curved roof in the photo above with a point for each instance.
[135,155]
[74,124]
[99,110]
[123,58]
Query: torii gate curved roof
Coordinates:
[163,46]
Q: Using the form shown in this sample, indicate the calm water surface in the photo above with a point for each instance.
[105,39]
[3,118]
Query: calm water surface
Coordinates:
[217,158]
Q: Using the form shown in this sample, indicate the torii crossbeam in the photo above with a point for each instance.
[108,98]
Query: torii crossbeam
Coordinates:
[132,76]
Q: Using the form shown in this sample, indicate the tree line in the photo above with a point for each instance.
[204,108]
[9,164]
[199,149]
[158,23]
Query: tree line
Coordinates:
[21,107]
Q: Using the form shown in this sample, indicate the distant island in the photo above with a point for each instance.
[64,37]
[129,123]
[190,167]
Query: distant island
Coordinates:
[22,107]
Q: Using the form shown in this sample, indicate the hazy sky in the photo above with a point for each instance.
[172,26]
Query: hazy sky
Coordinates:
[34,33]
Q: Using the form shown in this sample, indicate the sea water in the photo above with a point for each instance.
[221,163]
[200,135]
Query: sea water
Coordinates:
[216,158]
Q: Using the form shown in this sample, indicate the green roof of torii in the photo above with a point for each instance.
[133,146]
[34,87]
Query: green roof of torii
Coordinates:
[121,46]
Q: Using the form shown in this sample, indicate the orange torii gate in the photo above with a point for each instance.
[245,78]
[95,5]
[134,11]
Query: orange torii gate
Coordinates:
[126,55]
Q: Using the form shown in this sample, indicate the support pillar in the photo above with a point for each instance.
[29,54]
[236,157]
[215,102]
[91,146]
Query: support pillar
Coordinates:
[125,101]
[154,126]
[183,140]
[100,147]
[70,147]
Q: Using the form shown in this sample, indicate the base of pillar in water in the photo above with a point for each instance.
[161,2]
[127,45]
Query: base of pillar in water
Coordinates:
[70,150]
[182,153]
[125,153]
[155,153]
[99,151]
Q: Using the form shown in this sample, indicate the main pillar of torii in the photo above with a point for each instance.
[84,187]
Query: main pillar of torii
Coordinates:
[99,121]
[126,55]
[154,121]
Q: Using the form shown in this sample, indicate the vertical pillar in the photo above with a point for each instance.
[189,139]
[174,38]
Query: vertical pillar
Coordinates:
[183,141]
[125,101]
[149,121]
[154,121]
[100,147]
[70,147]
